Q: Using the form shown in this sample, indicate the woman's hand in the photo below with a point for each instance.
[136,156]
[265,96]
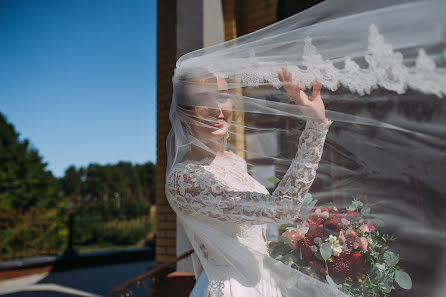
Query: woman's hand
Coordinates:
[313,106]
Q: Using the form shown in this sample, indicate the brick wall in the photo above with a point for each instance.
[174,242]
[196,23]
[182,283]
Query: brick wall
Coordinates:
[166,58]
[252,15]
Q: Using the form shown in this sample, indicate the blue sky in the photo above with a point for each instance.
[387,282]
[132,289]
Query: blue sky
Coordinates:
[78,78]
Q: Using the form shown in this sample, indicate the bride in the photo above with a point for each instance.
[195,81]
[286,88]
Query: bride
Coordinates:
[212,185]
[382,64]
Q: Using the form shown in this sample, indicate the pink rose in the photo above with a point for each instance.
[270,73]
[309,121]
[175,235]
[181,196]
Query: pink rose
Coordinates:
[341,236]
[364,228]
[356,243]
[351,215]
[371,226]
[344,222]
[363,243]
[294,236]
[351,233]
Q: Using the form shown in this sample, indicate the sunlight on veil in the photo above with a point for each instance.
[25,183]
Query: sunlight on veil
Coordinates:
[327,127]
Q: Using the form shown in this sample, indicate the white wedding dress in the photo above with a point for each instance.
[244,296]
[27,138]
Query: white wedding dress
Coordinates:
[211,192]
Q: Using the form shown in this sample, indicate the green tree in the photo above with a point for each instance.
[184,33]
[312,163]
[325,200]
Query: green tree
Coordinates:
[24,180]
[119,183]
[146,175]
[72,184]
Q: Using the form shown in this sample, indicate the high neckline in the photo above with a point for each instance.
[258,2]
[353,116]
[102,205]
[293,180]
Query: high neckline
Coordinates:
[217,157]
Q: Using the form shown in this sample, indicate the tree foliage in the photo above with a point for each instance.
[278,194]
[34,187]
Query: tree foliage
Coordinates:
[24,180]
[121,182]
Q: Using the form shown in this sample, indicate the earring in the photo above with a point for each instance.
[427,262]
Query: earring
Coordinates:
[226,138]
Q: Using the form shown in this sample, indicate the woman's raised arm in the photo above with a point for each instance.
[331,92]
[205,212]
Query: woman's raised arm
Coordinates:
[198,192]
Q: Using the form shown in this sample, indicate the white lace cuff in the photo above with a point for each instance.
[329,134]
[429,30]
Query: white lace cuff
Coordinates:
[318,125]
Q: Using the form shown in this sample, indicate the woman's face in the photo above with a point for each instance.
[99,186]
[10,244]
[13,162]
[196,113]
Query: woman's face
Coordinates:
[216,113]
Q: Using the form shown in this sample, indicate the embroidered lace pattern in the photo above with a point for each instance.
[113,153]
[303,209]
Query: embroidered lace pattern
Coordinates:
[216,288]
[386,69]
[211,187]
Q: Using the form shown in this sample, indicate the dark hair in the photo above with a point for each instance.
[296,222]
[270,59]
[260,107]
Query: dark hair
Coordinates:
[182,81]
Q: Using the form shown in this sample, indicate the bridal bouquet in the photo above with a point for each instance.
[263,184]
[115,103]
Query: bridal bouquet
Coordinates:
[342,247]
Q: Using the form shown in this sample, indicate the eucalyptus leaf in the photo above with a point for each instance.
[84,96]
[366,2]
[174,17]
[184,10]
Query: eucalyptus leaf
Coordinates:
[285,240]
[355,205]
[304,216]
[326,251]
[308,197]
[387,289]
[313,203]
[330,281]
[289,259]
[277,250]
[278,257]
[304,229]
[379,269]
[274,251]
[377,222]
[286,226]
[273,179]
[391,258]
[317,240]
[318,256]
[307,204]
[403,279]
[365,211]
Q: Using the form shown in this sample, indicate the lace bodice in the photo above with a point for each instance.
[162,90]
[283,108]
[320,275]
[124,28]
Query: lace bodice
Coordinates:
[221,188]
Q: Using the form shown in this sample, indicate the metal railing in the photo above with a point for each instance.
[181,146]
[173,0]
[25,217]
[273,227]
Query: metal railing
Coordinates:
[125,290]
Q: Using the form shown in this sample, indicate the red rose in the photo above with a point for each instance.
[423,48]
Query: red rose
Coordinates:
[333,209]
[314,222]
[357,258]
[358,263]
[305,247]
[333,223]
[314,233]
[351,215]
[341,267]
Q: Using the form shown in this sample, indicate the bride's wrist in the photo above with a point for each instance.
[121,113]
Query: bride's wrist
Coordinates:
[318,124]
[321,120]
[324,121]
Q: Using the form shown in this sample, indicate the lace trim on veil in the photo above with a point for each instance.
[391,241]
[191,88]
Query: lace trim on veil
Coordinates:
[385,69]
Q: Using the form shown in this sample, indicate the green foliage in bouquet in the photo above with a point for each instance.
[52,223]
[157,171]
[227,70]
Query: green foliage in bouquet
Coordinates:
[341,247]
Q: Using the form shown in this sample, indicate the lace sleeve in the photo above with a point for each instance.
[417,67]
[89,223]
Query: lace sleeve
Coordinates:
[195,191]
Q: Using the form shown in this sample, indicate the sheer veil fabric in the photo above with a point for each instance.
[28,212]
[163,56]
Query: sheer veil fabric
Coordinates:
[236,129]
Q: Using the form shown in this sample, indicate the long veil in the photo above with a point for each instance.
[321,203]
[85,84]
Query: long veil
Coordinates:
[380,185]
